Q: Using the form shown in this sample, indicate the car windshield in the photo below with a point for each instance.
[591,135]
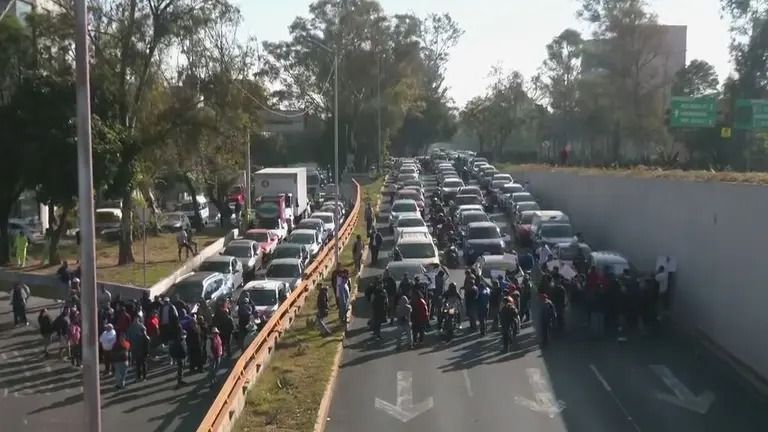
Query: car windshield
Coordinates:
[404,177]
[483,232]
[556,230]
[497,266]
[215,266]
[405,207]
[301,238]
[470,191]
[568,253]
[452,183]
[518,197]
[307,225]
[283,271]
[410,223]
[261,297]
[106,217]
[526,218]
[397,272]
[512,188]
[527,206]
[416,250]
[285,251]
[328,219]
[474,217]
[240,251]
[268,223]
[188,292]
[259,236]
[467,199]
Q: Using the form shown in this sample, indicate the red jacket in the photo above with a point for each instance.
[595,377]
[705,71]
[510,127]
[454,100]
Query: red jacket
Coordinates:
[217,350]
[420,314]
[153,326]
[122,322]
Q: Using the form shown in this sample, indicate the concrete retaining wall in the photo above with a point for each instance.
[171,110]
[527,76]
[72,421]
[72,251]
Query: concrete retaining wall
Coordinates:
[715,230]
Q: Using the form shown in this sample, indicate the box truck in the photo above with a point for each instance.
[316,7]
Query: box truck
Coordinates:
[280,197]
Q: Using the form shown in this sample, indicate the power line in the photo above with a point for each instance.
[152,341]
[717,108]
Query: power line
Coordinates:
[7,8]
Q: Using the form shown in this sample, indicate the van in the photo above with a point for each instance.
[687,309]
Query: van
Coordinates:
[547,216]
[188,208]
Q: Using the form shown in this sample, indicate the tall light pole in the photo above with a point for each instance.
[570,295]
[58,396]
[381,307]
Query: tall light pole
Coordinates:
[378,114]
[247,184]
[91,390]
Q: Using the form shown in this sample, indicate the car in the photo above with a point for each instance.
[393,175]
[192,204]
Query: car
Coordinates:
[525,206]
[466,208]
[496,185]
[405,177]
[108,223]
[174,222]
[544,216]
[291,250]
[461,200]
[400,207]
[609,262]
[417,249]
[482,238]
[328,219]
[337,211]
[517,197]
[413,183]
[450,188]
[288,270]
[507,190]
[490,266]
[409,194]
[408,169]
[506,177]
[229,266]
[317,225]
[197,286]
[266,295]
[488,173]
[267,239]
[247,251]
[522,230]
[476,167]
[409,220]
[567,252]
[552,233]
[309,238]
[470,190]
[468,217]
[397,269]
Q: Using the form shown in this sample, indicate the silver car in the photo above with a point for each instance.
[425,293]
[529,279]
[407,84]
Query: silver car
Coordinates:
[247,252]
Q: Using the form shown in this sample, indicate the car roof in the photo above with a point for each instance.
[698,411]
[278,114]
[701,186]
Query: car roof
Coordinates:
[493,259]
[482,225]
[558,223]
[410,215]
[473,211]
[521,193]
[304,231]
[291,261]
[414,237]
[470,207]
[550,213]
[402,264]
[258,230]
[219,258]
[320,214]
[200,276]
[263,284]
[609,257]
[240,242]
[312,220]
[404,201]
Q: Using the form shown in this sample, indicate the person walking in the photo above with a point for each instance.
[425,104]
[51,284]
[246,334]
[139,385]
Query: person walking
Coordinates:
[19,297]
[357,253]
[343,293]
[182,243]
[153,331]
[178,353]
[75,343]
[21,249]
[508,318]
[107,341]
[322,310]
[45,325]
[560,300]
[390,286]
[379,306]
[547,319]
[139,353]
[226,326]
[419,317]
[470,299]
[494,303]
[119,358]
[217,351]
[375,245]
[483,302]
[403,314]
[169,321]
[368,217]
[194,349]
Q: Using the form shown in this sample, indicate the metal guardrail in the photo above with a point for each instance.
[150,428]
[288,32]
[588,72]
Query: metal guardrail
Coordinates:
[231,398]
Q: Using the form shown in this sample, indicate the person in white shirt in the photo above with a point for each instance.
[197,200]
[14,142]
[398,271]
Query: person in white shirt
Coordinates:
[544,255]
[107,341]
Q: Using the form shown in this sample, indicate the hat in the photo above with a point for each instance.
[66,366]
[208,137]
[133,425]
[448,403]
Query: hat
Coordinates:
[214,330]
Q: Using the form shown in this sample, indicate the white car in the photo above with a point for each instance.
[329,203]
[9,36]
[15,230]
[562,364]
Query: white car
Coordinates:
[288,270]
[399,208]
[409,220]
[247,252]
[308,238]
[328,220]
[417,249]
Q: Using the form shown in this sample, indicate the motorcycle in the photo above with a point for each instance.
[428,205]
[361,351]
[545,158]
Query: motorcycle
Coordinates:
[452,259]
[450,320]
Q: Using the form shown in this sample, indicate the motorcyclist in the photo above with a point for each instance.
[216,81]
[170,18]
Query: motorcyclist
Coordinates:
[452,299]
[437,297]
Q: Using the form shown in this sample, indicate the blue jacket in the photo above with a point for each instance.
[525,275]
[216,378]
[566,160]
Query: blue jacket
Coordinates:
[483,296]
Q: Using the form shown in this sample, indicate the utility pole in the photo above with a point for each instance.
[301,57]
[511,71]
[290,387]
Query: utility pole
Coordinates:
[91,389]
[336,151]
[248,173]
[378,116]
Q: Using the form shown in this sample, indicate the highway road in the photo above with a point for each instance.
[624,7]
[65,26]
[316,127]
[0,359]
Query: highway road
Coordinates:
[659,383]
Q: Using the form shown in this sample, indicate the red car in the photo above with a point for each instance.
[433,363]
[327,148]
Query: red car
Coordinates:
[523,228]
[267,239]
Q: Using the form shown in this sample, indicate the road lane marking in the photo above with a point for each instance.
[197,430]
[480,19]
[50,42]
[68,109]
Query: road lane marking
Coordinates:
[467,383]
[5,392]
[404,409]
[683,396]
[615,398]
[544,400]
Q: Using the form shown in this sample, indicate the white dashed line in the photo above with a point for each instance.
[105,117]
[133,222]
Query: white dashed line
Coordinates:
[615,398]
[5,392]
[467,383]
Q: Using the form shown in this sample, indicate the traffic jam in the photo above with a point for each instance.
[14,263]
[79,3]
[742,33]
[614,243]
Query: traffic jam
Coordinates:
[475,245]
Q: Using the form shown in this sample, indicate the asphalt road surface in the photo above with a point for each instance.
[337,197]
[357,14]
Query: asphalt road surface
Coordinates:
[660,383]
[39,394]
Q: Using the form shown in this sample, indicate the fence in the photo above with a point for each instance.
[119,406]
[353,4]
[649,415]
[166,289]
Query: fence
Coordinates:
[230,401]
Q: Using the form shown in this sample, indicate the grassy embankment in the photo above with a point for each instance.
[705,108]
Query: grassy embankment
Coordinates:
[287,395]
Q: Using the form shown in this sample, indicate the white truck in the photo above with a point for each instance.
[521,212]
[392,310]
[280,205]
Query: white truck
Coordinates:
[280,197]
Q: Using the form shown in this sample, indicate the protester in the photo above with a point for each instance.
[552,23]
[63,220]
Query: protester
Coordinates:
[508,317]
[379,307]
[119,358]
[547,317]
[217,352]
[368,217]
[494,302]
[403,315]
[21,249]
[226,326]
[75,343]
[107,341]
[357,253]
[169,321]
[375,245]
[19,297]
[182,241]
[45,325]
[322,310]
[153,331]
[139,352]
[343,292]
[194,348]
[470,299]
[390,286]
[483,301]
[419,317]
[178,353]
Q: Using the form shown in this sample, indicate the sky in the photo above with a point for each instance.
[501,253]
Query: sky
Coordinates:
[511,33]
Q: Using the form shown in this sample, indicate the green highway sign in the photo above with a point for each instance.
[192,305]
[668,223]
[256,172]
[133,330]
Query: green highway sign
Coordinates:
[686,112]
[751,114]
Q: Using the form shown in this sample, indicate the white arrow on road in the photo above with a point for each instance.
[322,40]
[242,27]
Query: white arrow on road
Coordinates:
[683,396]
[405,410]
[545,401]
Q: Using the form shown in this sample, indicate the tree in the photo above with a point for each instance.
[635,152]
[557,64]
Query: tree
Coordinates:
[696,79]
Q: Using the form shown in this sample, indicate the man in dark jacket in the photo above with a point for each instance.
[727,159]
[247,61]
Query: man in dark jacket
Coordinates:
[547,317]
[375,244]
[390,286]
[508,318]
[226,326]
[322,310]
[559,298]
[405,286]
[379,306]
[169,321]
[19,298]
[470,299]
[494,304]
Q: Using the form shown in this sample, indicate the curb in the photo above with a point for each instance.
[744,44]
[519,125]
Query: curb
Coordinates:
[325,402]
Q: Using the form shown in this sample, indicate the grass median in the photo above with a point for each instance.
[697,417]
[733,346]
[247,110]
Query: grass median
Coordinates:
[287,395]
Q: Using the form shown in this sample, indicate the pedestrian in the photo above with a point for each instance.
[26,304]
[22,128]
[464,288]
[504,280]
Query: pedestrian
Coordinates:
[191,241]
[547,317]
[379,306]
[357,253]
[202,327]
[560,299]
[182,243]
[194,349]
[437,295]
[470,299]
[146,304]
[419,316]
[169,321]
[178,352]
[103,297]
[46,329]
[21,249]
[217,352]
[483,302]
[61,330]
[119,358]
[494,303]
[390,286]
[322,310]
[122,320]
[244,315]
[153,331]
[405,286]
[19,298]
[343,292]
[65,276]
[403,315]
[226,325]
[375,245]
[368,217]
[75,343]
[107,341]
[139,353]
[508,318]
[335,274]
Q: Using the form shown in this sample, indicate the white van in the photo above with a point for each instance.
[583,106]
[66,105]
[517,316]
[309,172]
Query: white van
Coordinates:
[547,216]
[188,208]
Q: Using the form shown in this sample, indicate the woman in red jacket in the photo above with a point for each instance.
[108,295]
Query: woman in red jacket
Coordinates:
[419,316]
[153,331]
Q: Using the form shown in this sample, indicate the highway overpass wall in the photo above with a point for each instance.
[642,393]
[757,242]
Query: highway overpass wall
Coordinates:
[716,231]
